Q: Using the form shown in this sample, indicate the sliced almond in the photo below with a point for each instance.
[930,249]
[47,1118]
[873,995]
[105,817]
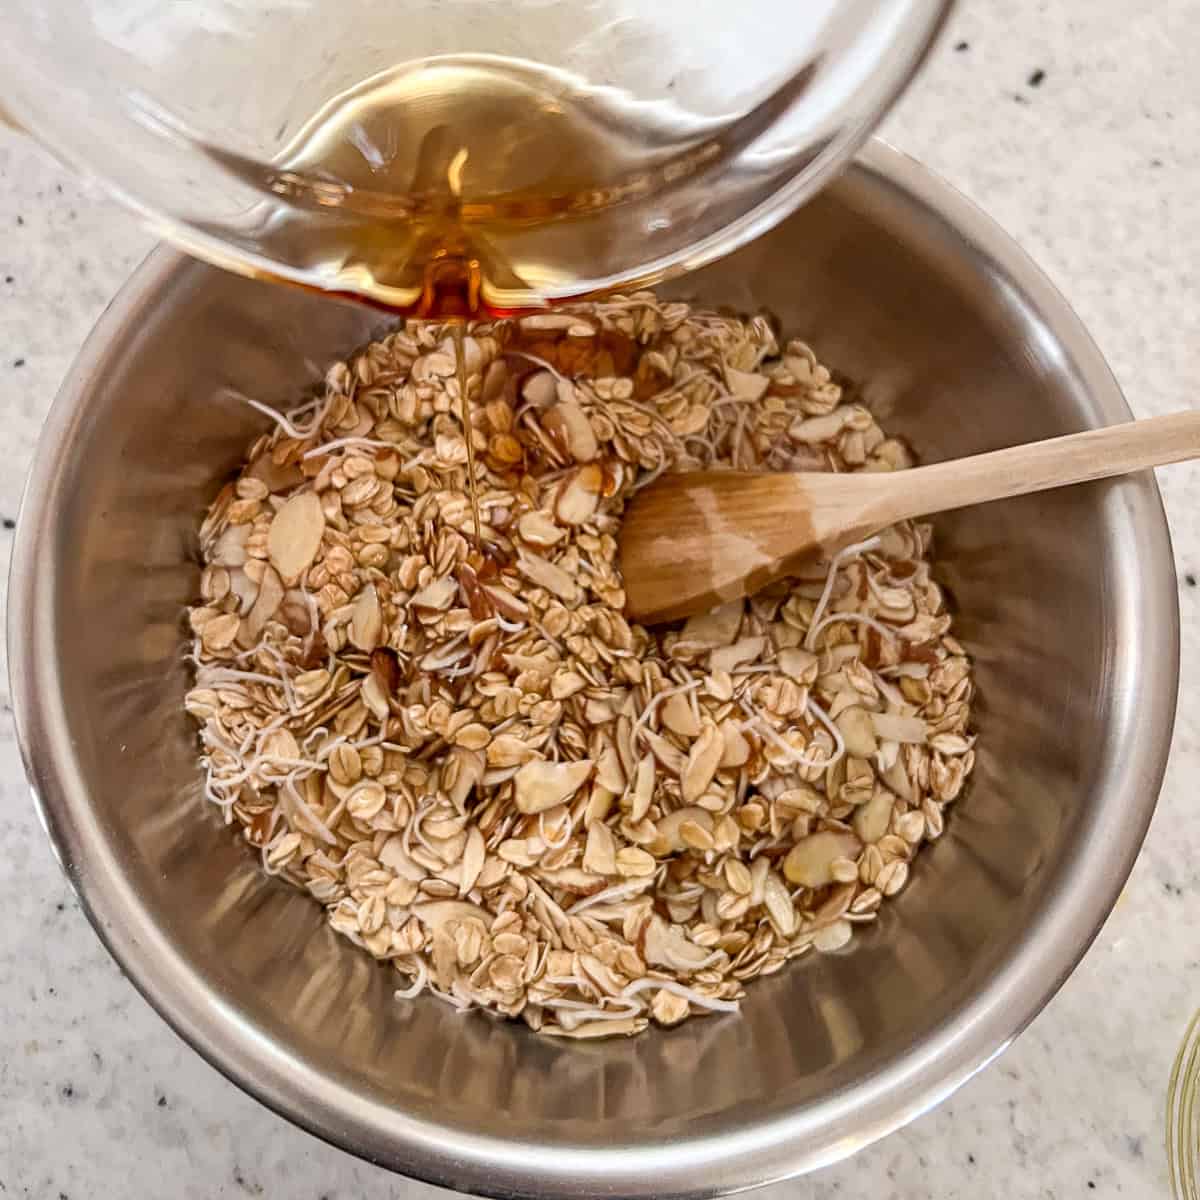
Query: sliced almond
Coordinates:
[397,859]
[436,913]
[538,529]
[833,936]
[244,588]
[505,750]
[679,717]
[366,621]
[438,596]
[810,861]
[802,798]
[610,772]
[511,607]
[717,627]
[570,423]
[539,389]
[602,976]
[669,839]
[798,664]
[702,762]
[474,854]
[599,710]
[871,820]
[667,946]
[541,785]
[375,698]
[812,430]
[579,496]
[779,906]
[600,854]
[894,728]
[572,879]
[896,777]
[759,870]
[280,743]
[668,755]
[643,789]
[462,773]
[746,385]
[229,550]
[857,731]
[219,633]
[277,477]
[566,684]
[599,804]
[494,379]
[624,1027]
[729,658]
[736,752]
[295,535]
[266,605]
[543,573]
[447,654]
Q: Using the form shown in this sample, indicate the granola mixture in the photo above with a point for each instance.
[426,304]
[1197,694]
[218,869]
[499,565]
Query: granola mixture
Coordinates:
[488,776]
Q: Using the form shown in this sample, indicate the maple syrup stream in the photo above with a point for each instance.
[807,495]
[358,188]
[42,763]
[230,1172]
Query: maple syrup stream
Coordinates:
[460,359]
[451,293]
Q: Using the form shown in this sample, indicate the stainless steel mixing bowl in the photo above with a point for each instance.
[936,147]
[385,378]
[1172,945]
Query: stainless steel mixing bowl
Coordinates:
[1067,603]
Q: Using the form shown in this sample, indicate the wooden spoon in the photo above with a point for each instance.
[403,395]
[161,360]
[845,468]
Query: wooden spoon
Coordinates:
[694,540]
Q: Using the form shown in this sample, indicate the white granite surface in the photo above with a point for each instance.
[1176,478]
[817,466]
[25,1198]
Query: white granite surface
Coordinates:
[1096,170]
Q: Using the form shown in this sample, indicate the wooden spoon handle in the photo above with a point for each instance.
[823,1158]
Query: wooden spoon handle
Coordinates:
[1018,470]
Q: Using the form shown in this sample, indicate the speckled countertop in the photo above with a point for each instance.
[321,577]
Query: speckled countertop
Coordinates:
[1077,126]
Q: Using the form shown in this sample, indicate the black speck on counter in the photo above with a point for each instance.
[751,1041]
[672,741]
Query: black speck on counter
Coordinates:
[1020,99]
[18,362]
[971,1159]
[1091,1185]
[161,1102]
[20,220]
[248,1186]
[962,47]
[9,523]
[1036,77]
[8,279]
[1190,579]
[1156,162]
[67,1091]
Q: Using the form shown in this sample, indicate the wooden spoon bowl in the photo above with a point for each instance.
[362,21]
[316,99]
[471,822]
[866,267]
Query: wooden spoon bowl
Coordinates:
[694,540]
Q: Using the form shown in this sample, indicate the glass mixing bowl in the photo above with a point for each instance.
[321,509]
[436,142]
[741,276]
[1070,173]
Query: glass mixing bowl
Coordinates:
[567,146]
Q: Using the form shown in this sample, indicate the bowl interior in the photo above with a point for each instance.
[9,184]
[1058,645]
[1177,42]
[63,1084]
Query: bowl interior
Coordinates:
[953,352]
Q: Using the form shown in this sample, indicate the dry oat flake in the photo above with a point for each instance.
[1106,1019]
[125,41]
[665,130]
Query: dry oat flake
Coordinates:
[484,773]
